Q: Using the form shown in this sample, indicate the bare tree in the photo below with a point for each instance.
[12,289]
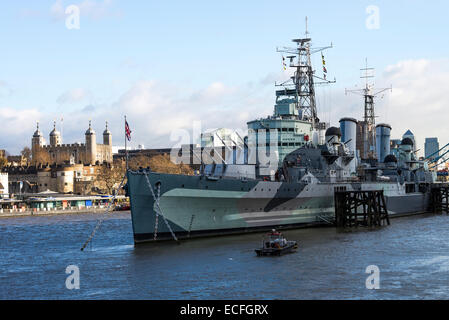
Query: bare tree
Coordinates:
[160,163]
[3,162]
[26,153]
[110,176]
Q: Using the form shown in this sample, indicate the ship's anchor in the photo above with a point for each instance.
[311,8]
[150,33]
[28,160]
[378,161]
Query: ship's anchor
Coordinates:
[158,209]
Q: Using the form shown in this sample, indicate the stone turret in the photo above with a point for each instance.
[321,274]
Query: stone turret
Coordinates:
[55,136]
[36,143]
[91,145]
[107,136]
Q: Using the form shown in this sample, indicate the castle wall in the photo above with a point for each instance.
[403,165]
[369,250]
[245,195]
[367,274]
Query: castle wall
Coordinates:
[65,181]
[76,152]
[104,153]
[66,152]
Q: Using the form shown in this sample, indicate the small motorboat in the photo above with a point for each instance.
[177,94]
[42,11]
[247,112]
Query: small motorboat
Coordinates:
[275,244]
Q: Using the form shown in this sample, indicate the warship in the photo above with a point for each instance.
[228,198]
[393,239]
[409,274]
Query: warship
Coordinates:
[284,173]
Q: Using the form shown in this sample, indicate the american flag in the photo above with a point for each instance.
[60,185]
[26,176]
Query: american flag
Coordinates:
[127,131]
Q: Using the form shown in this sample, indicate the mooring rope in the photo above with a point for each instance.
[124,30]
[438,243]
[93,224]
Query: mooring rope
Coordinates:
[100,221]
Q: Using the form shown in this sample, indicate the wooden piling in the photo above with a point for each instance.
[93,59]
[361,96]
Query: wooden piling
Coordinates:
[440,198]
[360,208]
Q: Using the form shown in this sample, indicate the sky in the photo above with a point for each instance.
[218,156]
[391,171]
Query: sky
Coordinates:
[168,64]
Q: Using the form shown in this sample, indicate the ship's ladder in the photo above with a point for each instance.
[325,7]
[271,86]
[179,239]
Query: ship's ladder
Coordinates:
[158,210]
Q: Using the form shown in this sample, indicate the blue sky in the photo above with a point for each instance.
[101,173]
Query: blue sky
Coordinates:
[200,60]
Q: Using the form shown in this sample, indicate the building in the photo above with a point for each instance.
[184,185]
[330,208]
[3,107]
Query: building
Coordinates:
[17,161]
[431,148]
[4,189]
[60,178]
[78,153]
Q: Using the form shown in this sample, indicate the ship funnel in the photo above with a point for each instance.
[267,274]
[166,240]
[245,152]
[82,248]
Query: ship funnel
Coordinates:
[348,128]
[382,141]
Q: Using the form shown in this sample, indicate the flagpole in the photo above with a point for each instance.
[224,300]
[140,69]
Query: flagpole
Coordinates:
[126,150]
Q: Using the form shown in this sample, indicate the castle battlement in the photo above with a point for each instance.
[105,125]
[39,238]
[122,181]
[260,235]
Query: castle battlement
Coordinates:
[65,146]
[56,152]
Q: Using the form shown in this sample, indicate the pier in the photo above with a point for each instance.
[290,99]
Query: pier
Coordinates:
[440,198]
[360,208]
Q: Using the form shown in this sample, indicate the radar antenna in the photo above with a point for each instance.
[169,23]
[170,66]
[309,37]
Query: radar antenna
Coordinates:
[301,86]
[368,130]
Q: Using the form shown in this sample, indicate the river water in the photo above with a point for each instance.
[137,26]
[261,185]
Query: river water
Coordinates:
[412,256]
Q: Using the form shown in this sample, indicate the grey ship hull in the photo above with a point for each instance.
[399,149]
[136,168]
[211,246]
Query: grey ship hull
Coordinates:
[197,206]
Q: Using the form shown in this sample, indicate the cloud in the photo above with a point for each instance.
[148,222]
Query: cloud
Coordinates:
[74,96]
[57,10]
[417,102]
[89,108]
[17,128]
[154,109]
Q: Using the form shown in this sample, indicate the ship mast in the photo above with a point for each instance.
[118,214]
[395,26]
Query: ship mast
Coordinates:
[368,129]
[301,86]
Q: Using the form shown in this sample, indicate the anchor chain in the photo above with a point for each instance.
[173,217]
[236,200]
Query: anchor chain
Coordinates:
[158,208]
[105,214]
[191,223]
[156,223]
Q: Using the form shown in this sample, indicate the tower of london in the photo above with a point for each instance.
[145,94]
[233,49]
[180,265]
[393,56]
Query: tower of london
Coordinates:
[78,153]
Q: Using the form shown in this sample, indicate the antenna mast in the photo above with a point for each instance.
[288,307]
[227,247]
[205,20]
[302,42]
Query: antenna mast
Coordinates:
[368,126]
[301,86]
